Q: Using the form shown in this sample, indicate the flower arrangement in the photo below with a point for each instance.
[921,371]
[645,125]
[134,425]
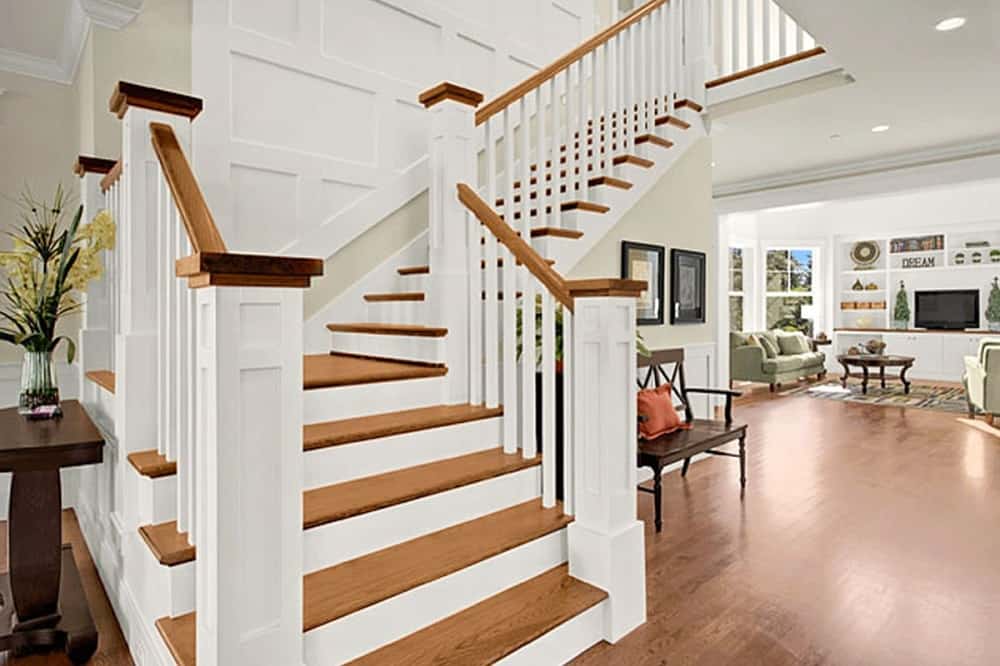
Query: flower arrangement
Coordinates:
[993,306]
[901,312]
[50,265]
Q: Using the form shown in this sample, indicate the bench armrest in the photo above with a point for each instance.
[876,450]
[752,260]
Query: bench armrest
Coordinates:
[730,394]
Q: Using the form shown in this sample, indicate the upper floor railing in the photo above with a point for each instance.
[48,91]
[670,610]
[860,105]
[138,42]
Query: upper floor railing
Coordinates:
[751,34]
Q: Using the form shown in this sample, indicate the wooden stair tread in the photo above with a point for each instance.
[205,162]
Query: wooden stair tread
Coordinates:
[654,139]
[594,181]
[361,428]
[396,296]
[151,464]
[179,635]
[390,329]
[495,627]
[329,370]
[103,378]
[168,545]
[425,269]
[541,232]
[672,120]
[371,493]
[344,588]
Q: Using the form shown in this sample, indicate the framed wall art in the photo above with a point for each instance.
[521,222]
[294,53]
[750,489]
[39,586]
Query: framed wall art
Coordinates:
[642,261]
[687,287]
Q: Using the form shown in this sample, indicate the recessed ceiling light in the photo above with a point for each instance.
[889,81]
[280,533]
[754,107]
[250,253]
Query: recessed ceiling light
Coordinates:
[880,128]
[953,23]
[713,163]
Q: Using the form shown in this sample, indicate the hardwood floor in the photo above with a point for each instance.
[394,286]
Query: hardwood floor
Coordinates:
[867,535]
[111,647]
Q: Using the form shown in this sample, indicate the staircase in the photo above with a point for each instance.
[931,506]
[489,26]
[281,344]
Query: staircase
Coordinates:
[393,499]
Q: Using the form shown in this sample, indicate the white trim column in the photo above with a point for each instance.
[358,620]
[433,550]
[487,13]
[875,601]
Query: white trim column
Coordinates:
[606,541]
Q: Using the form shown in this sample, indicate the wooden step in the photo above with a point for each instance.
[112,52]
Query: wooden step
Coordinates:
[362,428]
[169,546]
[151,464]
[654,139]
[330,370]
[409,330]
[633,159]
[179,635]
[566,206]
[552,232]
[396,296]
[495,627]
[425,269]
[672,120]
[688,103]
[345,588]
[103,378]
[371,493]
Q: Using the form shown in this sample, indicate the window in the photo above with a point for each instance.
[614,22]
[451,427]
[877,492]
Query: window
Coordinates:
[789,288]
[736,299]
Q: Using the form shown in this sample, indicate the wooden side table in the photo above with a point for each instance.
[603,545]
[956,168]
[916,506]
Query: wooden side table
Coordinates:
[42,603]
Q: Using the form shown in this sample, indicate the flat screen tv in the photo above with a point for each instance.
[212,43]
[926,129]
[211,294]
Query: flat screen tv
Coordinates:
[954,309]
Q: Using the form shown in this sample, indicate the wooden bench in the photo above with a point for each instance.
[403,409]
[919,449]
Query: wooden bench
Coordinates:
[704,435]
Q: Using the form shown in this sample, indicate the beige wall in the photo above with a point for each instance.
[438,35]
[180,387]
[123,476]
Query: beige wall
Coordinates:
[45,125]
[676,213]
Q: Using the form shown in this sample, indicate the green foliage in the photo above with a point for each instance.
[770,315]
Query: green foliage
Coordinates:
[901,311]
[993,305]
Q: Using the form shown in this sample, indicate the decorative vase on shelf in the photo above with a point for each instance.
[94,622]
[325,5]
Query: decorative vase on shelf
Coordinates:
[39,388]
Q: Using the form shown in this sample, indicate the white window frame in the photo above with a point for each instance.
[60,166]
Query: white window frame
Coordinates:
[815,289]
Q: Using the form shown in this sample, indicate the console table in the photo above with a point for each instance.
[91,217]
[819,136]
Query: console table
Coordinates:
[879,361]
[43,606]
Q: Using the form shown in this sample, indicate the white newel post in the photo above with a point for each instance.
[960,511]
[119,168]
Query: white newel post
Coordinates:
[699,63]
[606,541]
[136,379]
[249,456]
[452,160]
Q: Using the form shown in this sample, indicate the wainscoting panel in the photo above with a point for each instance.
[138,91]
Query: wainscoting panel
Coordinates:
[312,132]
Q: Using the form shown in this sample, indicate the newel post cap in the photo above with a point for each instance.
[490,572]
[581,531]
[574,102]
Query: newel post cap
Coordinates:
[155,99]
[450,91]
[86,164]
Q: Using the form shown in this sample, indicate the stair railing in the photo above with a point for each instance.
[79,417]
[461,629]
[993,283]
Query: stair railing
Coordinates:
[752,33]
[210,368]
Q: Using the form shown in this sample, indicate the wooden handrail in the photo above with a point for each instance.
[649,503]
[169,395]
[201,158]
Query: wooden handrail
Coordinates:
[497,105]
[191,204]
[520,248]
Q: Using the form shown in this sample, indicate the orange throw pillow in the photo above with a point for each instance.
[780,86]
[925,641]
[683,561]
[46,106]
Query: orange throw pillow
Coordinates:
[657,406]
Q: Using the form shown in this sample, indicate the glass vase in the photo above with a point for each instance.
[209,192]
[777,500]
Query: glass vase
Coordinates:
[39,390]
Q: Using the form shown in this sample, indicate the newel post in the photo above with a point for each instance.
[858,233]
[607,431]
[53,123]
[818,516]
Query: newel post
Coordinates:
[606,540]
[452,160]
[141,266]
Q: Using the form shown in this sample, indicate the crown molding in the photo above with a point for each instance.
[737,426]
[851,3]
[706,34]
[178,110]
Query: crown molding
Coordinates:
[83,14]
[859,168]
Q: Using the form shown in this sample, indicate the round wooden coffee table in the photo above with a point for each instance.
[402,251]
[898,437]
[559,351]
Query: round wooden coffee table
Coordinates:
[881,361]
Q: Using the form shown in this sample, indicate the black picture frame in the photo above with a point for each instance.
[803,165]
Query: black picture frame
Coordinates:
[687,287]
[652,259]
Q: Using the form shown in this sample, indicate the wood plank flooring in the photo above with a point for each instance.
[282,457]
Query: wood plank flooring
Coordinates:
[867,535]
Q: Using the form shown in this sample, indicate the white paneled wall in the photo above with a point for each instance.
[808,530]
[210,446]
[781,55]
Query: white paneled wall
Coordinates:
[312,131]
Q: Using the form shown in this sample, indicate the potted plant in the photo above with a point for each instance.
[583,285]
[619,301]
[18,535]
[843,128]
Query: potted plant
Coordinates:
[51,262]
[901,312]
[995,255]
[993,306]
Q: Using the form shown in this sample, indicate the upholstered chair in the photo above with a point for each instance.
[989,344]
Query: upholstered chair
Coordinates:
[982,379]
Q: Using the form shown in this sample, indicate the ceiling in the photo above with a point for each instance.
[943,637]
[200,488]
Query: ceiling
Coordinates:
[938,92]
[44,38]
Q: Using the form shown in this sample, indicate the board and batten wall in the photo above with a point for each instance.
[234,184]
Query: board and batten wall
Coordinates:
[312,132]
[677,214]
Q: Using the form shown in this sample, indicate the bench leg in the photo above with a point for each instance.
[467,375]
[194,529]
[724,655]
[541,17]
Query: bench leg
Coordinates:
[743,462]
[684,469]
[658,496]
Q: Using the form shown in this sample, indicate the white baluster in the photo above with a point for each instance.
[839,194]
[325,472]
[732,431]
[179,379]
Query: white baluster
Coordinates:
[162,317]
[529,443]
[490,300]
[799,38]
[782,33]
[766,31]
[181,380]
[607,103]
[567,435]
[659,59]
[586,92]
[576,143]
[555,101]
[627,121]
[646,69]
[734,37]
[749,35]
[548,400]
[192,397]
[509,296]
[474,237]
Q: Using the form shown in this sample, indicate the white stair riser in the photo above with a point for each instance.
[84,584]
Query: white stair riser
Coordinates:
[375,626]
[353,537]
[397,312]
[336,464]
[612,197]
[553,247]
[157,498]
[398,347]
[159,590]
[563,643]
[631,172]
[342,402]
[417,282]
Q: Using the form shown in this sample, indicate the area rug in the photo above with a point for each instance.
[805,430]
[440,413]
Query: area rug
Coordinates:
[921,396]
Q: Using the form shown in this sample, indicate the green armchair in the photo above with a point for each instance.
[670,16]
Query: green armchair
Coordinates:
[982,379]
[773,357]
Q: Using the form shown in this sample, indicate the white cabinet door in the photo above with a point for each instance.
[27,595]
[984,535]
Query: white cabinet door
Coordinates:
[926,348]
[955,348]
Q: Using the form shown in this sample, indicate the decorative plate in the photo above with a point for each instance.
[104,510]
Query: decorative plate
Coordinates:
[865,254]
